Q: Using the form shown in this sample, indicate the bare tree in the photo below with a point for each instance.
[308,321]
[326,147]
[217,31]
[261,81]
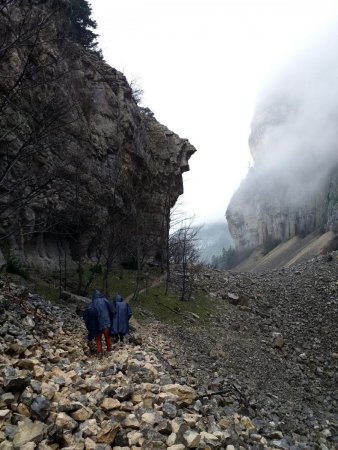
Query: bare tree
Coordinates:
[184,253]
[144,242]
[143,231]
[33,109]
[137,91]
[112,245]
[172,218]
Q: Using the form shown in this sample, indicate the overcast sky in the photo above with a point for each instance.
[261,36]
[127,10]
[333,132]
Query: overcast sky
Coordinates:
[201,64]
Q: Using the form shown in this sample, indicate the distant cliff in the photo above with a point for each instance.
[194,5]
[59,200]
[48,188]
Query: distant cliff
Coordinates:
[292,189]
[85,173]
[264,213]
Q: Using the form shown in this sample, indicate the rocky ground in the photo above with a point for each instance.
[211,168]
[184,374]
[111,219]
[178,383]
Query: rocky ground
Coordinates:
[260,373]
[271,344]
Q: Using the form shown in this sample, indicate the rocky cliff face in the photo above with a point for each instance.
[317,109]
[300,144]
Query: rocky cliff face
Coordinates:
[82,166]
[264,212]
[292,190]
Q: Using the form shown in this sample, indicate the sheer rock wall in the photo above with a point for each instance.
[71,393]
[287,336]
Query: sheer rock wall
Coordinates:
[292,190]
[78,155]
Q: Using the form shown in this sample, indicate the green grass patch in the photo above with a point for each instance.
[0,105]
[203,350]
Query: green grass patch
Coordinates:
[169,309]
[46,290]
[120,280]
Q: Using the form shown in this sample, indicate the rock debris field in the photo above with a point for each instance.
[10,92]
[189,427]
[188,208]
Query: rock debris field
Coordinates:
[259,373]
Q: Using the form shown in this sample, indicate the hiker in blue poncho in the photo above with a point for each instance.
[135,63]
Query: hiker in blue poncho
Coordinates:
[98,318]
[120,324]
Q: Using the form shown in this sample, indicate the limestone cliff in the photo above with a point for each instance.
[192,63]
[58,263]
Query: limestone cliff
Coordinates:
[82,166]
[265,211]
[292,190]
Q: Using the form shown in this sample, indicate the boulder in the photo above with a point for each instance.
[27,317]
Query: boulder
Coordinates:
[28,431]
[41,407]
[186,394]
[108,432]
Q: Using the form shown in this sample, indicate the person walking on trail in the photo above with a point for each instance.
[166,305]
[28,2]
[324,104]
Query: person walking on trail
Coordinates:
[120,324]
[98,318]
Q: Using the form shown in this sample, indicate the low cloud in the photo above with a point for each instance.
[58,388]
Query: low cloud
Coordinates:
[294,138]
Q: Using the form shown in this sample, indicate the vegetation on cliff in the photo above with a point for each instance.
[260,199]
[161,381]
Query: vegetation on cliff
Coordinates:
[83,24]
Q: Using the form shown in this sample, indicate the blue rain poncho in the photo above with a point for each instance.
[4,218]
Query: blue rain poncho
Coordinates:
[120,324]
[98,314]
[90,318]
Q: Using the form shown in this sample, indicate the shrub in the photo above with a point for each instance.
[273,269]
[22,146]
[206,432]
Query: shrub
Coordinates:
[14,266]
[230,258]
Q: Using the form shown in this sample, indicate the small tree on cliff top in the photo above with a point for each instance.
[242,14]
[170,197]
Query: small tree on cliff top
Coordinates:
[83,24]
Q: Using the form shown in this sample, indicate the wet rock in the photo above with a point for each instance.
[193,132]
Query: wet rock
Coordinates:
[135,438]
[7,398]
[131,422]
[281,444]
[110,403]
[233,298]
[16,382]
[36,386]
[124,393]
[23,410]
[40,407]
[28,322]
[65,422]
[192,439]
[69,406]
[9,431]
[185,394]
[139,372]
[49,390]
[135,338]
[209,439]
[108,432]
[152,436]
[27,363]
[28,431]
[278,340]
[82,414]
[89,428]
[164,427]
[151,417]
[6,445]
[28,446]
[169,410]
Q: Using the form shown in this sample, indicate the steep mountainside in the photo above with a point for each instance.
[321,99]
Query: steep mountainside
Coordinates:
[263,212]
[82,166]
[292,190]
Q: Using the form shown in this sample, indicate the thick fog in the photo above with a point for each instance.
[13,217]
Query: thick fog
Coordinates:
[294,137]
